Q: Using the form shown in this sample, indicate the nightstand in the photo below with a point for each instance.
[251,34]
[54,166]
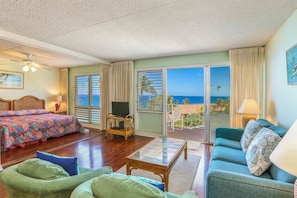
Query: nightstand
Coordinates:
[59,112]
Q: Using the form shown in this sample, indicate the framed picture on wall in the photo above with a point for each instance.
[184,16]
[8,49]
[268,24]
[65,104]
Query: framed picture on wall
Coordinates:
[292,65]
[11,80]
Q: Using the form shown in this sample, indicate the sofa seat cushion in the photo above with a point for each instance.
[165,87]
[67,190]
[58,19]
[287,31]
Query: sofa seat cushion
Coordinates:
[236,168]
[281,175]
[227,143]
[124,186]
[229,155]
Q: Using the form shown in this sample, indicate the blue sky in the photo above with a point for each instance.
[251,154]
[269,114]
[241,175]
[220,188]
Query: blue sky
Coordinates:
[190,82]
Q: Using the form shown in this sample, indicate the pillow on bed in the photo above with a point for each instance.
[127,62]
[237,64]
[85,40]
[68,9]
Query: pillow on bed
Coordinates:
[41,169]
[68,163]
[23,112]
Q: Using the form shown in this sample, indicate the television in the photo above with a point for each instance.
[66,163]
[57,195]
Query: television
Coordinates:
[120,109]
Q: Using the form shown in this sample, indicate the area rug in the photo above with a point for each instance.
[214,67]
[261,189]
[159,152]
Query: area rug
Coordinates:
[193,145]
[181,176]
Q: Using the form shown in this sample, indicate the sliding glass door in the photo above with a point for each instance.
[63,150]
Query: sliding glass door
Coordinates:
[185,103]
[219,115]
[201,96]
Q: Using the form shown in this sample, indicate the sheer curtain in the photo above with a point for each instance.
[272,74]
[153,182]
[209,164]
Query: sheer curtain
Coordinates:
[246,67]
[104,93]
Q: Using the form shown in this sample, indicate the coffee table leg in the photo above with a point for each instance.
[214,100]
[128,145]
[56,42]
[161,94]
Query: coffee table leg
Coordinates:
[128,170]
[186,152]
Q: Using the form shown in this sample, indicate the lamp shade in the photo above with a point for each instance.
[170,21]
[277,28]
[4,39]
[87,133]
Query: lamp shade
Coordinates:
[285,154]
[59,98]
[249,106]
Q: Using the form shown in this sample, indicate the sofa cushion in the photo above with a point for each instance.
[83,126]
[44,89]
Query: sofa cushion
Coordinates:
[229,155]
[236,168]
[250,131]
[280,131]
[259,150]
[123,186]
[227,143]
[41,169]
[69,164]
[280,175]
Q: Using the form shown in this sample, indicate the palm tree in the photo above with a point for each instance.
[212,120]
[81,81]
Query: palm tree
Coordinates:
[218,88]
[146,86]
[186,101]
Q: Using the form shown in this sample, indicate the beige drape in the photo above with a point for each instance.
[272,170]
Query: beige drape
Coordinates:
[64,89]
[121,81]
[104,93]
[116,85]
[246,67]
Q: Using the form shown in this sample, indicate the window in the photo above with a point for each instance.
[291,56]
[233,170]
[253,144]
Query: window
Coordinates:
[87,98]
[149,92]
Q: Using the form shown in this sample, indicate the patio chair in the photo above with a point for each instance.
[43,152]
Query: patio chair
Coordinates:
[176,115]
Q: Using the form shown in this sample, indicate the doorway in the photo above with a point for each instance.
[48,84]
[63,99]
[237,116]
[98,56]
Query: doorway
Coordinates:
[198,101]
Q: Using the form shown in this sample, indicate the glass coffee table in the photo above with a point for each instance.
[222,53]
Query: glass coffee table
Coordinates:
[158,156]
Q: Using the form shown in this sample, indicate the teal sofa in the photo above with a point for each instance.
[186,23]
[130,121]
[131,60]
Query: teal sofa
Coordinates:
[229,176]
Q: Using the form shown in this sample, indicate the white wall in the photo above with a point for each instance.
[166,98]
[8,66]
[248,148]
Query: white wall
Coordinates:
[44,84]
[281,98]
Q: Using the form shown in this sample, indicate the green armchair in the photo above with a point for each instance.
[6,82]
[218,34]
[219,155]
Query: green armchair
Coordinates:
[123,186]
[20,185]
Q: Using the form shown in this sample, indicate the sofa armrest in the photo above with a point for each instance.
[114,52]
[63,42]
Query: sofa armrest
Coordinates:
[229,133]
[232,185]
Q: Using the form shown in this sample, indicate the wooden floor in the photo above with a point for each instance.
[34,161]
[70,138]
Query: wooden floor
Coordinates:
[94,151]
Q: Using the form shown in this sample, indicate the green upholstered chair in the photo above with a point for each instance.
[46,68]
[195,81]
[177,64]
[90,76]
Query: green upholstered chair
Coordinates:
[54,184]
[115,186]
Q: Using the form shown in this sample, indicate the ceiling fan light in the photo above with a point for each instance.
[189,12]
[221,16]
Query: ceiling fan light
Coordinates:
[26,68]
[33,69]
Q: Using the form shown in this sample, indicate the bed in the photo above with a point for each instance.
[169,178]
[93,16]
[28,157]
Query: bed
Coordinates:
[26,121]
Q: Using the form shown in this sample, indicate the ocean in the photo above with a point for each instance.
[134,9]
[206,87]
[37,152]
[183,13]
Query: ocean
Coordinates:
[83,99]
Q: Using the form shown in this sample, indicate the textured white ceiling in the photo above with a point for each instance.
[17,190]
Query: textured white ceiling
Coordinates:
[115,30]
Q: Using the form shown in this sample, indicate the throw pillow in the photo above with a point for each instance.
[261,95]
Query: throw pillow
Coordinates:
[41,169]
[68,163]
[124,186]
[250,131]
[259,150]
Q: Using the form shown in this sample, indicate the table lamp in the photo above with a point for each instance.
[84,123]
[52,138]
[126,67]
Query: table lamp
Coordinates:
[250,109]
[284,155]
[58,104]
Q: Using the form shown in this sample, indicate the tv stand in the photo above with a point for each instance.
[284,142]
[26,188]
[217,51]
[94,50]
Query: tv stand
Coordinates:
[123,126]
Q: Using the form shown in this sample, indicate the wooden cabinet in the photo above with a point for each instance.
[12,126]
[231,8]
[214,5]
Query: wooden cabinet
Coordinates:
[123,126]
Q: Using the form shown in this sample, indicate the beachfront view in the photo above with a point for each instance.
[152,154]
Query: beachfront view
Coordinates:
[185,91]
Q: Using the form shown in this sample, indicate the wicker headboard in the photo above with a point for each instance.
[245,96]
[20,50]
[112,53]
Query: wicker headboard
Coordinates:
[5,104]
[28,102]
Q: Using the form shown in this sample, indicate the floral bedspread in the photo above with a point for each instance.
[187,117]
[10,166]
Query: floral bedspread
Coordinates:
[19,128]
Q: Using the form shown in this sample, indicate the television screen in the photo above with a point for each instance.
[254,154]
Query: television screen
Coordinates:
[120,108]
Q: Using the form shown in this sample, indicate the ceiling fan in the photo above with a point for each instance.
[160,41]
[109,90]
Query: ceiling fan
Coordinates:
[29,65]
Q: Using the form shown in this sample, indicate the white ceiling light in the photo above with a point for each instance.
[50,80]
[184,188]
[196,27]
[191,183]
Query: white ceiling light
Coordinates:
[29,65]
